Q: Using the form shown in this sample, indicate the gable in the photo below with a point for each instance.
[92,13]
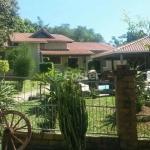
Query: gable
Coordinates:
[42,34]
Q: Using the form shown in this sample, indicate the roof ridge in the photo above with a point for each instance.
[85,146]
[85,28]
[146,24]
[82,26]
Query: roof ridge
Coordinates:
[127,44]
[42,30]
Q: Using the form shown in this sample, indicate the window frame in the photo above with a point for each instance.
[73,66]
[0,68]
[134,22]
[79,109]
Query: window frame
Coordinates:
[53,62]
[105,63]
[73,57]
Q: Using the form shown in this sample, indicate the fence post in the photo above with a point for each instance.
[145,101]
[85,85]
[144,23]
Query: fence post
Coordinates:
[126,107]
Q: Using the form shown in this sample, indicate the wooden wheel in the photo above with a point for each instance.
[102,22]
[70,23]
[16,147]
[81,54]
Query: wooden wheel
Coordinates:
[16,130]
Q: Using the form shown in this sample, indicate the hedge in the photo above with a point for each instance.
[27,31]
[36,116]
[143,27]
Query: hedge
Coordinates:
[45,65]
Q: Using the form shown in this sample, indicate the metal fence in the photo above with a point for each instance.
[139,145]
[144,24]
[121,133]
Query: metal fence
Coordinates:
[143,114]
[32,99]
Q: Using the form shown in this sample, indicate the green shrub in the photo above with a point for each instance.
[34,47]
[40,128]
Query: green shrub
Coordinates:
[94,64]
[4,66]
[44,66]
[90,65]
[141,92]
[46,59]
[6,93]
[23,66]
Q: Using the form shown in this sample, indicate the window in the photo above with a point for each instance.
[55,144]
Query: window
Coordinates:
[54,59]
[73,62]
[41,35]
[104,63]
[15,44]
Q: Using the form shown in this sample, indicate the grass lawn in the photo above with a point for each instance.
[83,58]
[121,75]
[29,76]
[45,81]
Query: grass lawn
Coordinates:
[99,111]
[28,85]
[100,116]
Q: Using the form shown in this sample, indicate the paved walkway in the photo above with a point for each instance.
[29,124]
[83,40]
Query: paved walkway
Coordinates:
[25,96]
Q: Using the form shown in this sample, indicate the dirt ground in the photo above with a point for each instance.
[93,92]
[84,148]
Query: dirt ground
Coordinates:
[145,111]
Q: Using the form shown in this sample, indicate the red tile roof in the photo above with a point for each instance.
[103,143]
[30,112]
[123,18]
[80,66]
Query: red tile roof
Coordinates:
[90,46]
[26,37]
[77,48]
[66,52]
[74,48]
[139,45]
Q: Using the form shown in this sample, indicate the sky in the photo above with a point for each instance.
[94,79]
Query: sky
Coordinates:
[104,16]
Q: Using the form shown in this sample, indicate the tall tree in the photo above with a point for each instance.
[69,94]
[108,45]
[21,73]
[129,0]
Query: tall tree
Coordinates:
[23,25]
[116,41]
[79,34]
[41,23]
[135,30]
[8,9]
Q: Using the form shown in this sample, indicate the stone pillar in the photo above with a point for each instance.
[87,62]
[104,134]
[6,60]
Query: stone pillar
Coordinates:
[126,107]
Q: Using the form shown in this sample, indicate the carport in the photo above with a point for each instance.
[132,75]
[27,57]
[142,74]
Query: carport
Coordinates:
[137,50]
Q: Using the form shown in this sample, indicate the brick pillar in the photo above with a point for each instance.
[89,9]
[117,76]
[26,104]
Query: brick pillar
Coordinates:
[126,107]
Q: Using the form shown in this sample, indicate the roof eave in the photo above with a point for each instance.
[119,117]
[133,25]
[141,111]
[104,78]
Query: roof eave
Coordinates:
[118,52]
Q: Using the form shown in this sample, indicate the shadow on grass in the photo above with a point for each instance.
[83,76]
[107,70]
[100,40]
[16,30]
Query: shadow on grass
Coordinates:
[110,120]
[46,116]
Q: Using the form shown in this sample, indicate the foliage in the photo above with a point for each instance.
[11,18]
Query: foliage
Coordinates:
[141,92]
[94,64]
[4,66]
[44,66]
[79,34]
[116,41]
[46,59]
[75,73]
[12,57]
[6,93]
[49,104]
[47,110]
[8,9]
[23,66]
[111,120]
[135,30]
[20,60]
[73,63]
[73,118]
[82,34]
[23,25]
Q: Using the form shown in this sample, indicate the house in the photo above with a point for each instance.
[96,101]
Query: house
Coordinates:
[60,49]
[137,50]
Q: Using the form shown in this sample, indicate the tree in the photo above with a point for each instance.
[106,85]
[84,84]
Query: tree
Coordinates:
[116,41]
[82,34]
[64,29]
[21,62]
[23,26]
[135,30]
[79,34]
[23,65]
[8,9]
[12,57]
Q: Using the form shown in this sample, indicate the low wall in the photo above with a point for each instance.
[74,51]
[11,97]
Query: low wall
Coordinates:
[144,145]
[49,141]
[46,141]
